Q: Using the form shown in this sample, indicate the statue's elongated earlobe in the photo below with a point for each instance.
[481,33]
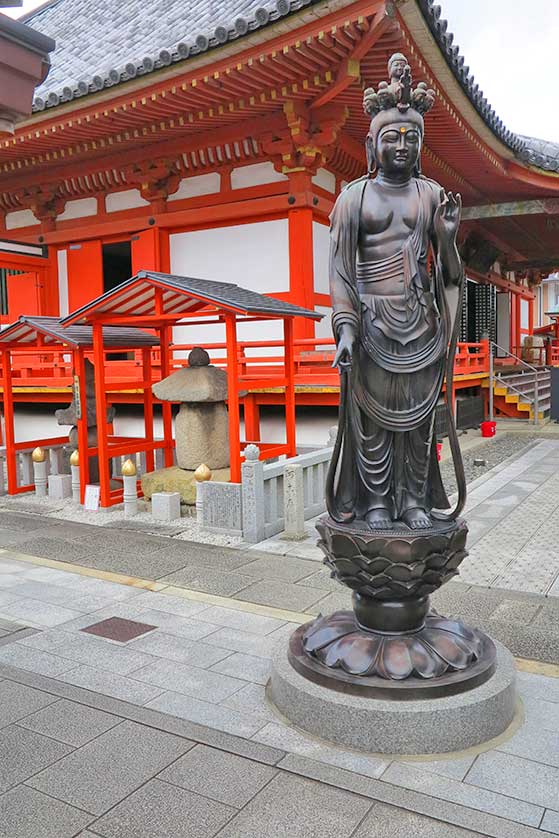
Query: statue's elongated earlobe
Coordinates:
[371,157]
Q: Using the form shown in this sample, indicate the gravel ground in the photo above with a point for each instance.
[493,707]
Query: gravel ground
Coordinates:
[494,451]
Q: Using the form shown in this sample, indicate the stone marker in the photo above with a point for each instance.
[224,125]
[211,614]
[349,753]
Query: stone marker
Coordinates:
[75,471]
[166,506]
[60,486]
[130,495]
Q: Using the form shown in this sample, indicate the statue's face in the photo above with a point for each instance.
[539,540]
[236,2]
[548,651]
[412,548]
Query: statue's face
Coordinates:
[398,147]
[397,67]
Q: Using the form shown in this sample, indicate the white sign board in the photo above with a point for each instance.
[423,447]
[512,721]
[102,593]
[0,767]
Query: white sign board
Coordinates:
[92,494]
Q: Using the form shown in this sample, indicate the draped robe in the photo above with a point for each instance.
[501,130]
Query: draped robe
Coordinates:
[385,453]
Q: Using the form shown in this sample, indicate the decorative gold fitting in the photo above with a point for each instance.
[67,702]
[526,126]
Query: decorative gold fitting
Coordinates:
[202,473]
[39,455]
[128,468]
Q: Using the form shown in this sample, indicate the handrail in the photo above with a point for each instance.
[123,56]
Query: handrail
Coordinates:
[535,401]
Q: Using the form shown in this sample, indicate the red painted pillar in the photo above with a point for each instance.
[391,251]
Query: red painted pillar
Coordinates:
[513,333]
[301,260]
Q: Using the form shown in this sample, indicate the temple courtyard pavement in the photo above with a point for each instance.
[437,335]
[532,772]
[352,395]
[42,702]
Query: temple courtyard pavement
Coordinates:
[156,723]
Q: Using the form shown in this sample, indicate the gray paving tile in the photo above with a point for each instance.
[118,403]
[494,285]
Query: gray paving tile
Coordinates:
[10,538]
[280,595]
[36,613]
[107,683]
[23,753]
[11,566]
[18,700]
[69,722]
[245,667]
[299,808]
[335,601]
[8,581]
[534,742]
[235,640]
[8,597]
[54,548]
[34,660]
[544,714]
[467,795]
[195,653]
[130,563]
[242,620]
[25,523]
[215,716]
[456,769]
[323,580]
[170,604]
[189,629]
[551,822]
[103,772]
[388,822]
[210,581]
[286,568]
[225,777]
[26,813]
[165,811]
[189,680]
[125,609]
[192,553]
[251,699]
[279,735]
[89,650]
[516,777]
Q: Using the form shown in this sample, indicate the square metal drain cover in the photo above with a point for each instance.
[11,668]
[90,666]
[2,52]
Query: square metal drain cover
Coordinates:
[119,629]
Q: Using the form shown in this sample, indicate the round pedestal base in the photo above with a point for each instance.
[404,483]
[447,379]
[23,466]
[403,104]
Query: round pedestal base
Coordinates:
[412,726]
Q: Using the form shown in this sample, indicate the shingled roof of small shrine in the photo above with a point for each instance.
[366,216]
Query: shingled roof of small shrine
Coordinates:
[102,44]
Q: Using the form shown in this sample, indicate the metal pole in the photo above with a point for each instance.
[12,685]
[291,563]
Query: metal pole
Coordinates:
[536,400]
[490,380]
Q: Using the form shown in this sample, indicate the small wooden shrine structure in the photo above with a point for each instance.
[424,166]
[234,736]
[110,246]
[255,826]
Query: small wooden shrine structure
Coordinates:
[36,337]
[159,301]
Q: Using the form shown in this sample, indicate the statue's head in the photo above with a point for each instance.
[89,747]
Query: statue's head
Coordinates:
[396,131]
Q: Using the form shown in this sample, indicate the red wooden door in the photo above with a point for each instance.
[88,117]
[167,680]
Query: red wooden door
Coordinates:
[85,273]
[24,295]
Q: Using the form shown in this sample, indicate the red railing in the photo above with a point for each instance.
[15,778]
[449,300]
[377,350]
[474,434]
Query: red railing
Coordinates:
[260,364]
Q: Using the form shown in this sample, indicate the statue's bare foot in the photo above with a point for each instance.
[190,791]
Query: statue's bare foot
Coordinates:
[378,519]
[416,518]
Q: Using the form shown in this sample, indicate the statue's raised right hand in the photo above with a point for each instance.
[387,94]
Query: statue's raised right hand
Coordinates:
[346,345]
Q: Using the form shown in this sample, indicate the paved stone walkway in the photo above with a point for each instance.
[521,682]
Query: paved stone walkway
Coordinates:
[207,664]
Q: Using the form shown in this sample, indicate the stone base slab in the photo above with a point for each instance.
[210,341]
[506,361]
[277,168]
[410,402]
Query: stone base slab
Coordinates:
[422,726]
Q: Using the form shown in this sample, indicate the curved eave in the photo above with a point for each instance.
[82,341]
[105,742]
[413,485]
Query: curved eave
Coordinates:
[416,16]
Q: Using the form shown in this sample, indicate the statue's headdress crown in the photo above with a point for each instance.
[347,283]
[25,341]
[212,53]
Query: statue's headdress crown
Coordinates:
[398,92]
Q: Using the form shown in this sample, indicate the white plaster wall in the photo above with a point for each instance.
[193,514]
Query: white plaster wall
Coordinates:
[62,259]
[193,187]
[20,218]
[254,175]
[80,208]
[127,199]
[254,256]
[215,333]
[321,247]
[524,314]
[503,321]
[323,328]
[325,179]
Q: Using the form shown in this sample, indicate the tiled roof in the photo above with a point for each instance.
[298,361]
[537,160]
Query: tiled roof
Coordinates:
[26,330]
[540,153]
[101,43]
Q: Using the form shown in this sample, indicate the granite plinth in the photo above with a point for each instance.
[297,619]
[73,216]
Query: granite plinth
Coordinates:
[423,726]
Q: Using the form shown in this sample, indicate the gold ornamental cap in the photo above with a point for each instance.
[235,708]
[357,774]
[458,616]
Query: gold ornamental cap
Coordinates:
[75,458]
[202,473]
[39,455]
[128,468]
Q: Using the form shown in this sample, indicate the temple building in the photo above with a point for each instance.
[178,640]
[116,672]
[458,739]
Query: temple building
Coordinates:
[210,140]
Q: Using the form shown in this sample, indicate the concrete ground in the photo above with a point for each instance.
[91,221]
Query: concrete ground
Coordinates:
[170,733]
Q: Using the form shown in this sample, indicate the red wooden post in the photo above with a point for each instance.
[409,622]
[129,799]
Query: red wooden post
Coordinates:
[148,406]
[289,361]
[233,398]
[83,436]
[164,342]
[11,461]
[101,414]
[252,418]
[513,323]
[301,258]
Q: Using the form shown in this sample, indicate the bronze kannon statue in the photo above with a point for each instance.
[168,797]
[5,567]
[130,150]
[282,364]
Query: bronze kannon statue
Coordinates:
[396,281]
[393,317]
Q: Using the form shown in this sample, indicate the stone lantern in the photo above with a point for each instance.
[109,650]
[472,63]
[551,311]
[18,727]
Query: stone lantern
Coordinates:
[201,427]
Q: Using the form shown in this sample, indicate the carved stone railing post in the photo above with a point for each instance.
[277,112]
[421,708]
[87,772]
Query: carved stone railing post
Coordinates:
[39,458]
[75,471]
[294,502]
[130,485]
[254,518]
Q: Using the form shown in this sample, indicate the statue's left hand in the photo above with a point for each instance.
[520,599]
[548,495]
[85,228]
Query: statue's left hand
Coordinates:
[447,217]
